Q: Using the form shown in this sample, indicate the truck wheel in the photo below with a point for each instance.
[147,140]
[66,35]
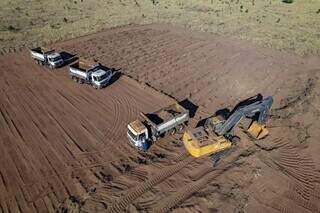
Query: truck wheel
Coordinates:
[180,129]
[172,131]
[75,79]
[235,140]
[80,81]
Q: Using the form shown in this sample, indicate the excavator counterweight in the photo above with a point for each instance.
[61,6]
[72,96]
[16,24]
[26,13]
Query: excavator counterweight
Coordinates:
[199,142]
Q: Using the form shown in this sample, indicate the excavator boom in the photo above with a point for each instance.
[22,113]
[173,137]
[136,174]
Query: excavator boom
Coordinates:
[262,108]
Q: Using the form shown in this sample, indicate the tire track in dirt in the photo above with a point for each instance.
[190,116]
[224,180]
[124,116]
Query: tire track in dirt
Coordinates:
[125,106]
[132,194]
[53,160]
[178,63]
[125,109]
[304,174]
[301,195]
[182,194]
[286,205]
[17,160]
[312,203]
[102,132]
[111,191]
[37,117]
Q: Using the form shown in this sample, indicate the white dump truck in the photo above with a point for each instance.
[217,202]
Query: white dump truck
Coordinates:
[142,133]
[50,58]
[96,75]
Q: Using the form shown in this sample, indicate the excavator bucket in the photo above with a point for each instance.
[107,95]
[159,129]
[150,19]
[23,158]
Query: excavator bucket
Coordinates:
[257,130]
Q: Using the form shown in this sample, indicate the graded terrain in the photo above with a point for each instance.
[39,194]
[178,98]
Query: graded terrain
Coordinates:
[64,145]
[56,136]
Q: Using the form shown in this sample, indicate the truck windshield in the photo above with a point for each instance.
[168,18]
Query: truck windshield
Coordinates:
[57,58]
[142,136]
[133,136]
[102,77]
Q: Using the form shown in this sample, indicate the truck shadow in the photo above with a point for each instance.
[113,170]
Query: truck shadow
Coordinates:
[117,74]
[68,58]
[225,112]
[247,101]
[187,104]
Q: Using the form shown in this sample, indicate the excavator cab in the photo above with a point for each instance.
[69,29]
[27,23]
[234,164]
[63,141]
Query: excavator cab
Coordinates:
[200,142]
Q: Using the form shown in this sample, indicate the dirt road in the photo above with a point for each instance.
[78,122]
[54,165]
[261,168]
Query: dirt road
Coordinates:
[64,145]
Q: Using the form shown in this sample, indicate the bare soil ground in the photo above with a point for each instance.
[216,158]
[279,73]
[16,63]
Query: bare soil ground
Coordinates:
[64,145]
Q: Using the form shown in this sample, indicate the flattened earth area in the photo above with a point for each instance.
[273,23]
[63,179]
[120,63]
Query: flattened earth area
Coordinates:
[64,145]
[54,130]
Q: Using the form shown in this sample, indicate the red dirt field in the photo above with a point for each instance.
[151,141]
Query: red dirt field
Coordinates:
[58,138]
[64,145]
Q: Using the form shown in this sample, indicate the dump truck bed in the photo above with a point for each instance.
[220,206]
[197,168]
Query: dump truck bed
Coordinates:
[81,66]
[81,69]
[39,53]
[37,50]
[167,117]
[41,50]
[167,113]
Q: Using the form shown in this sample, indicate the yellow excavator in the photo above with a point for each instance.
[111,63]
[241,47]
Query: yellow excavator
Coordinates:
[217,133]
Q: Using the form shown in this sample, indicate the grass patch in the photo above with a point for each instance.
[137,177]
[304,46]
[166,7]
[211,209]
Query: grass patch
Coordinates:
[270,23]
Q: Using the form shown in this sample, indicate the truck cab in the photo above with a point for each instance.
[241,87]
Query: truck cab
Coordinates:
[138,135]
[46,57]
[55,60]
[153,126]
[99,77]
